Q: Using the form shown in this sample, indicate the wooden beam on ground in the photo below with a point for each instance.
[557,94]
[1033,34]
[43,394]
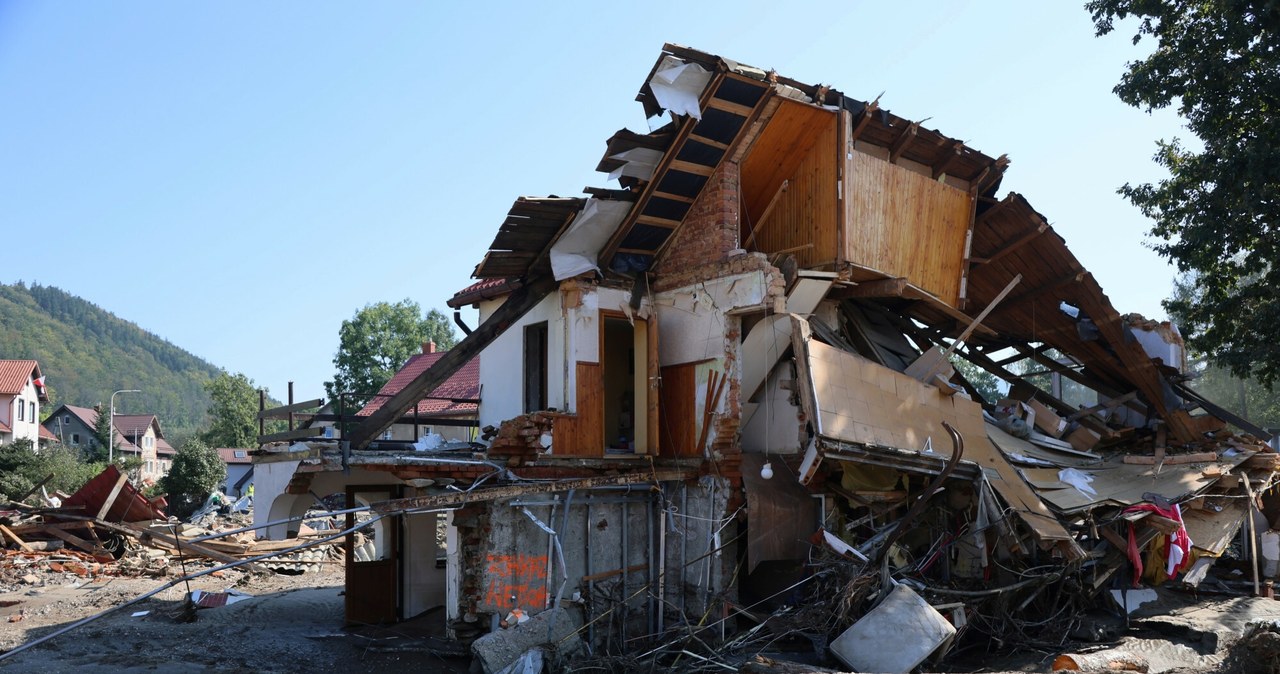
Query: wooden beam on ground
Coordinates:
[111,497]
[484,495]
[1199,457]
[14,537]
[33,490]
[517,305]
[140,532]
[75,540]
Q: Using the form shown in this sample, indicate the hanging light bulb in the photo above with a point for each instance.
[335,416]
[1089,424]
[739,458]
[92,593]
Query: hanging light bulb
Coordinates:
[766,471]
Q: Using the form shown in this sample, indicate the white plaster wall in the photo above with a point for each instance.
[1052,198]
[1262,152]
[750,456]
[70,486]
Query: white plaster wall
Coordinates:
[272,503]
[692,321]
[28,427]
[774,427]
[502,362]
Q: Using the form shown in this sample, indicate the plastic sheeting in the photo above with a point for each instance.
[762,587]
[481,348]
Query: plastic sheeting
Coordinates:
[638,162]
[677,86]
[577,250]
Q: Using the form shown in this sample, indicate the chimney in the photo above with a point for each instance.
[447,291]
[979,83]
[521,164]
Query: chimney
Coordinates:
[429,347]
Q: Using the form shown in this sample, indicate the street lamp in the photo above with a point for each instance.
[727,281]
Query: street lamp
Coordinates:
[111,424]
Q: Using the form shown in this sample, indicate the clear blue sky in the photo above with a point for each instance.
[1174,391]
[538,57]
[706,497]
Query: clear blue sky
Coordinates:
[240,177]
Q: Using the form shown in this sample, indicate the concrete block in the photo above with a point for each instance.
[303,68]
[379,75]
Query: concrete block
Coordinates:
[904,620]
[552,629]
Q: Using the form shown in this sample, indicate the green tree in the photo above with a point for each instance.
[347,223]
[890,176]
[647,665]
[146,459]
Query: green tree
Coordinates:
[1218,212]
[988,384]
[103,435]
[196,472]
[377,341]
[47,407]
[233,416]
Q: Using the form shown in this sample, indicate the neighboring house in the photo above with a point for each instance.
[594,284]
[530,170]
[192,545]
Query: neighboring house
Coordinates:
[448,411]
[140,436]
[137,435]
[21,393]
[73,426]
[239,471]
[770,294]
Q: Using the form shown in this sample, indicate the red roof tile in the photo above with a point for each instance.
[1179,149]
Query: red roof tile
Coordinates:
[46,434]
[228,455]
[463,385]
[14,375]
[481,290]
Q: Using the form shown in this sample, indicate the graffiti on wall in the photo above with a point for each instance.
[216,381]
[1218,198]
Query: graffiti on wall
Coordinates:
[515,581]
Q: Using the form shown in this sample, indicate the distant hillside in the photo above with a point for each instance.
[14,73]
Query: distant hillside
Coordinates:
[87,353]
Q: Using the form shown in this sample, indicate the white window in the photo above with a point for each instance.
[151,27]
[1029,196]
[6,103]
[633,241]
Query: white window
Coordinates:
[33,410]
[66,419]
[386,435]
[241,454]
[22,410]
[75,439]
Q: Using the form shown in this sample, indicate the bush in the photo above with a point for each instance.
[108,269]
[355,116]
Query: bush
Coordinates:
[197,471]
[21,469]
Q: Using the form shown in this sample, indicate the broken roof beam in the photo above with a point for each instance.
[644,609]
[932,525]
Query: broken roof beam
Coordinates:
[890,287]
[903,142]
[864,118]
[1012,246]
[515,306]
[940,169]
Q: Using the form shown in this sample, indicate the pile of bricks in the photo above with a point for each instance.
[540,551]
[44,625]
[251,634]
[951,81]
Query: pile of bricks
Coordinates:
[519,438]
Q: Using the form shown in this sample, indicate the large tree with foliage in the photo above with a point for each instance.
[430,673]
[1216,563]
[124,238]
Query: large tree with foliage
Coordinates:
[233,414]
[377,341]
[196,472]
[1218,211]
[106,440]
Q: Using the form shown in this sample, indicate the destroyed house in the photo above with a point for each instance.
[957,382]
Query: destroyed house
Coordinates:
[705,388]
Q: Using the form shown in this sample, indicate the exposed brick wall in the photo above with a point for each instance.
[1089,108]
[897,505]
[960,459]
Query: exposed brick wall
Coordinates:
[473,523]
[710,228]
[519,439]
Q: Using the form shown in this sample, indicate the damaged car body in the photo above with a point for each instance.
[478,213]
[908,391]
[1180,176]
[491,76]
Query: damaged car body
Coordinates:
[721,409]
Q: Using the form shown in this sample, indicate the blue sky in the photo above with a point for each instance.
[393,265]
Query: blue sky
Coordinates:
[239,178]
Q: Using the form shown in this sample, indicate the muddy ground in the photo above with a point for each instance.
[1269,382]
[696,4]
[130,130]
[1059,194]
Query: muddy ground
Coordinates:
[291,624]
[294,623]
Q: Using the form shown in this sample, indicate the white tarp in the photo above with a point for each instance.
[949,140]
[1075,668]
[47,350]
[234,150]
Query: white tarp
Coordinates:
[639,162]
[577,250]
[677,86]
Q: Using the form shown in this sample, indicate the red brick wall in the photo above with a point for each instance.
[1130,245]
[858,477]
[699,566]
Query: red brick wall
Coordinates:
[710,228]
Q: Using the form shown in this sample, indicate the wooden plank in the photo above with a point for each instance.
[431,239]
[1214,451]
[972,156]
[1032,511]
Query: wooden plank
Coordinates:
[690,167]
[956,149]
[1199,457]
[863,120]
[297,434]
[653,401]
[1107,405]
[730,107]
[903,141]
[986,311]
[34,489]
[143,532]
[705,141]
[111,496]
[672,197]
[14,537]
[890,287]
[1012,246]
[516,305]
[283,412]
[678,409]
[485,495]
[657,222]
[764,217]
[75,540]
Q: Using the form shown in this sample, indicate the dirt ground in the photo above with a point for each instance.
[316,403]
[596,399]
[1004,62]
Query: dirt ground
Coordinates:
[292,623]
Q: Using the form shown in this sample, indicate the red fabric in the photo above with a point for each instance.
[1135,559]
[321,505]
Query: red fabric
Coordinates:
[1179,539]
[1135,557]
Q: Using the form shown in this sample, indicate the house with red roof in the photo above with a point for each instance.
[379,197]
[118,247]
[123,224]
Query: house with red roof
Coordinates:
[21,392]
[137,435]
[450,410]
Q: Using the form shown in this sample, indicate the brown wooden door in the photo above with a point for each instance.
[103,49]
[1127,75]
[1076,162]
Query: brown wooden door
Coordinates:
[373,572]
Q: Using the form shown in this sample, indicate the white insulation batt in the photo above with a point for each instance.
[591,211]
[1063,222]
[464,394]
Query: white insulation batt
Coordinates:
[677,86]
[639,162]
[577,250]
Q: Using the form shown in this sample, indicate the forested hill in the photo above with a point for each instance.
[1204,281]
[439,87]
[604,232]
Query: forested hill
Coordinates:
[87,352]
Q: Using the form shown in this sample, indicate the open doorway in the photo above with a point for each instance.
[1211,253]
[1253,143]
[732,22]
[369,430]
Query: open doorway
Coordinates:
[625,363]
[373,561]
